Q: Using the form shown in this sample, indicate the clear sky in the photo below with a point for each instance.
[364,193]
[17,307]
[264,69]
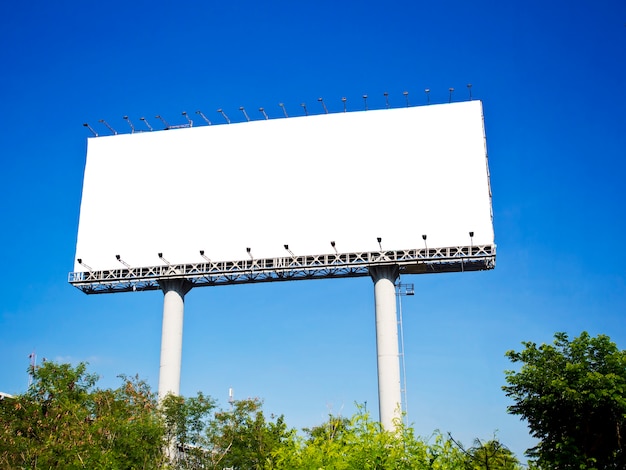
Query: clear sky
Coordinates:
[552,78]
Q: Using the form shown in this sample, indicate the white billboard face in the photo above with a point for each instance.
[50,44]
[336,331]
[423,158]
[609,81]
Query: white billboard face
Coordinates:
[306,181]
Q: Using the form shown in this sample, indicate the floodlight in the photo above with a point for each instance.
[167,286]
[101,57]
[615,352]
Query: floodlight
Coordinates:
[406,96]
[206,119]
[289,251]
[221,111]
[427,91]
[132,128]
[321,100]
[334,247]
[365,101]
[146,123]
[425,244]
[80,261]
[167,126]
[379,240]
[184,113]
[386,99]
[451,90]
[264,113]
[204,256]
[344,99]
[119,258]
[306,113]
[90,128]
[249,250]
[469,88]
[471,234]
[107,124]
[163,259]
[241,108]
[282,105]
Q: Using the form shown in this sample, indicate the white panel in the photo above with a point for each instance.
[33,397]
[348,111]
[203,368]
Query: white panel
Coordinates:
[304,181]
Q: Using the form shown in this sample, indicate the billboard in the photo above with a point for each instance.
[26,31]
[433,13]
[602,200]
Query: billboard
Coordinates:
[350,178]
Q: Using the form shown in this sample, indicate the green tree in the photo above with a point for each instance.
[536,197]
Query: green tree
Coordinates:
[491,455]
[64,421]
[573,396]
[186,421]
[488,455]
[246,437]
[209,438]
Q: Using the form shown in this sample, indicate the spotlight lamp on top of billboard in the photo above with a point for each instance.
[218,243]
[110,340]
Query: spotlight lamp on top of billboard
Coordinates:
[221,111]
[95,134]
[146,123]
[162,119]
[206,119]
[321,100]
[132,128]
[243,110]
[108,126]
[444,183]
[189,121]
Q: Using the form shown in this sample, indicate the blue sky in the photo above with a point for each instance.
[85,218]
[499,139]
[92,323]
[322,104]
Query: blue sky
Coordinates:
[552,78]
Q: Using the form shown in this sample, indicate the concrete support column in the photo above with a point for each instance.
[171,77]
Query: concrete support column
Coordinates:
[389,389]
[172,335]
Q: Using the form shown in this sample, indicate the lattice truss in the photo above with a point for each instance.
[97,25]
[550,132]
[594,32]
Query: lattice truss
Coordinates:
[289,268]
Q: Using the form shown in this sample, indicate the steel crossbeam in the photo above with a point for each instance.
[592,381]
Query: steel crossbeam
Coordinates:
[289,268]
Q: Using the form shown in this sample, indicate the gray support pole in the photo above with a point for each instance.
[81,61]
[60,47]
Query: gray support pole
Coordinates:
[389,389]
[172,335]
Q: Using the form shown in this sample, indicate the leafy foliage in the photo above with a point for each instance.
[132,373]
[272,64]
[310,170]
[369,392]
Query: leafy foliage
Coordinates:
[573,396]
[63,421]
[361,443]
[208,438]
[491,455]
[488,455]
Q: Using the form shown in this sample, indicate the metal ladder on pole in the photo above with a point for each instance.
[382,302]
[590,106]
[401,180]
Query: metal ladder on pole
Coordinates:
[403,290]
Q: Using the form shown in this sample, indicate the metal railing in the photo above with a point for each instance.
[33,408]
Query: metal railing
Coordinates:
[288,268]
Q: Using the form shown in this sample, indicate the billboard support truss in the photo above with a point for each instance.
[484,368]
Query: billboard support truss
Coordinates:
[289,268]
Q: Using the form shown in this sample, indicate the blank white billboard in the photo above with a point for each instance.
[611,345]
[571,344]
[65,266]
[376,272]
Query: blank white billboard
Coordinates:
[304,181]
